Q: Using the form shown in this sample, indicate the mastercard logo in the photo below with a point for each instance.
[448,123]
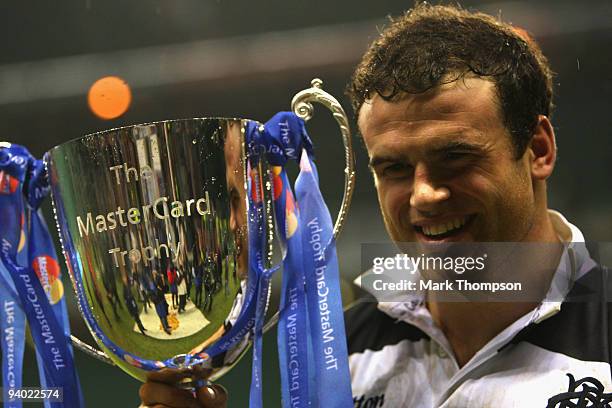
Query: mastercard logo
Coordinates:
[55,292]
[22,238]
[8,184]
[47,269]
[277,182]
[22,241]
[291,221]
[292,224]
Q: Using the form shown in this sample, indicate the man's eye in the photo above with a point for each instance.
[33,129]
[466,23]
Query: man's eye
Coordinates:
[454,156]
[397,170]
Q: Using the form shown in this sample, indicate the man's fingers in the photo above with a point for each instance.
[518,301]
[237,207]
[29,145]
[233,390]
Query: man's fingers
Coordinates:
[152,394]
[161,390]
[212,396]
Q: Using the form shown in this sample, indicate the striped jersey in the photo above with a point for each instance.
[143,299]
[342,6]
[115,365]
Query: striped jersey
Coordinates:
[557,355]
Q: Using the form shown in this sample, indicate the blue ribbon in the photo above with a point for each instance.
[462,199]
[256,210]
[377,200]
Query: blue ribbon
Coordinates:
[256,263]
[12,324]
[323,288]
[24,237]
[311,337]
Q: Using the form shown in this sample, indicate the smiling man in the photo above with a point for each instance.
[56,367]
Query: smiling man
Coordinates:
[454,108]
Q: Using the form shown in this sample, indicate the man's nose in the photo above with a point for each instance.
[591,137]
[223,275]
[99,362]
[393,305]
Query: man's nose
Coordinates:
[427,193]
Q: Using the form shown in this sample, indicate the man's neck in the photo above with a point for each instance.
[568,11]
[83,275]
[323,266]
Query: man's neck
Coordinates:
[469,326]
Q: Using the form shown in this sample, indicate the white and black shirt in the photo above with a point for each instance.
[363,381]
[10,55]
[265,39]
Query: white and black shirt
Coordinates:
[552,356]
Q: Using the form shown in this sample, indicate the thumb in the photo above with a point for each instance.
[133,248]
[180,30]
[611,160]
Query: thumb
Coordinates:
[212,396]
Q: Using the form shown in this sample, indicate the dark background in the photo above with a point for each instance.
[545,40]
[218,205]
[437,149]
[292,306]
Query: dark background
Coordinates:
[187,58]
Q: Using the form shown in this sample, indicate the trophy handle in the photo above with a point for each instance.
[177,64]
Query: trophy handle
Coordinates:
[81,345]
[301,105]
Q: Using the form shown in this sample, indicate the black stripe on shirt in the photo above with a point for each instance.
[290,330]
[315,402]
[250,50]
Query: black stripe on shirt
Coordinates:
[582,328]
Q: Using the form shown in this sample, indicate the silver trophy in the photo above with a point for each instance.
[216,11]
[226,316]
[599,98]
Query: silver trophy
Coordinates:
[153,225]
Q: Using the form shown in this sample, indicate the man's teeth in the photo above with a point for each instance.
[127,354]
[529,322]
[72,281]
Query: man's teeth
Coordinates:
[439,229]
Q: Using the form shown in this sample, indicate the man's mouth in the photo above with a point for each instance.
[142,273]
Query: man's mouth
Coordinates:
[444,229]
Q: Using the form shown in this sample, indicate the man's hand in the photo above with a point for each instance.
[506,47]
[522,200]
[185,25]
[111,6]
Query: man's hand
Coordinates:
[161,391]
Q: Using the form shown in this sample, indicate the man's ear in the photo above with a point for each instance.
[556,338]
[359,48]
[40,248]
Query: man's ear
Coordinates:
[543,149]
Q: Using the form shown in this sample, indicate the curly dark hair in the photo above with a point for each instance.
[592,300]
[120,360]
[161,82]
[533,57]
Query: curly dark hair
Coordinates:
[432,45]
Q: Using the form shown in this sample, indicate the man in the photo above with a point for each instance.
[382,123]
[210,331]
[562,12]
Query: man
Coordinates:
[132,307]
[171,275]
[454,110]
[182,291]
[198,272]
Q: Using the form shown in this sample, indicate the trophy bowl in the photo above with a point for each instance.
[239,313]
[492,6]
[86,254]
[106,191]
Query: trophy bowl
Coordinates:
[153,221]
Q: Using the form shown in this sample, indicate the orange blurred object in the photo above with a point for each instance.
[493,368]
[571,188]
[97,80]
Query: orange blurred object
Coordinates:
[109,97]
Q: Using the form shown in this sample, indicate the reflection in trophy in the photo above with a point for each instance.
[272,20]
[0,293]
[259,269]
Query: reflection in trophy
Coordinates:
[153,221]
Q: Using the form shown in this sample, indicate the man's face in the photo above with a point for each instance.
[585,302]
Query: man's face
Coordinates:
[445,168]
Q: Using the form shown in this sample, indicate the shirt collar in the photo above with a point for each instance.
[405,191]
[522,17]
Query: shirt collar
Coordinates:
[574,263]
